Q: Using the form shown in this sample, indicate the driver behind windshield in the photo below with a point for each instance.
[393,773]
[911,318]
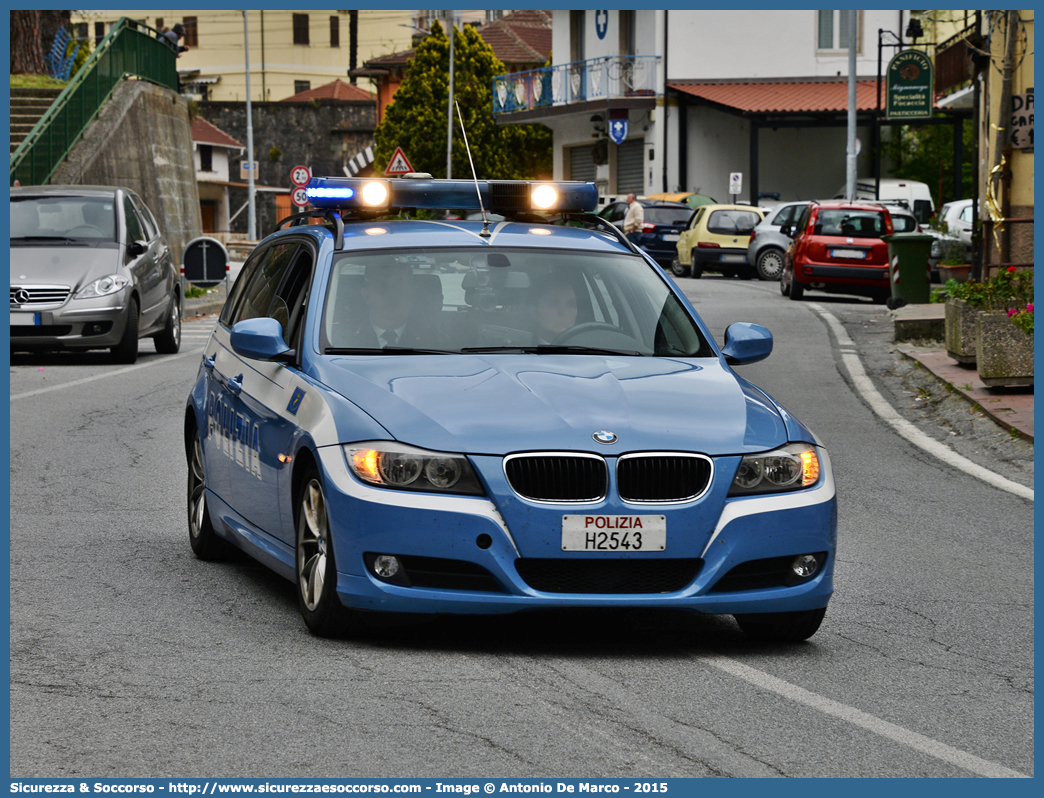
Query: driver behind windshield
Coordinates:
[552,306]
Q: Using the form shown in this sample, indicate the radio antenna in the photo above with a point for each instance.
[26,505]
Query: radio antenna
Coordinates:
[485,219]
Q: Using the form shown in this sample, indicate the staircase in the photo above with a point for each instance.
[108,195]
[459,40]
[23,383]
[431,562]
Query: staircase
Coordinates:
[27,106]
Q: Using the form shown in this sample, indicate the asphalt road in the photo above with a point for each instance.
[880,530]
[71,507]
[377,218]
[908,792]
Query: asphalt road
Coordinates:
[129,657]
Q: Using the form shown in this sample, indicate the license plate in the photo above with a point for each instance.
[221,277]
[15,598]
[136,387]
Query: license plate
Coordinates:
[734,258]
[25,319]
[848,253]
[671,236]
[614,532]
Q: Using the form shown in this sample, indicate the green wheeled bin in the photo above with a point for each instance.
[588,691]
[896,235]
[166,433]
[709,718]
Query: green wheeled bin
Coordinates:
[908,269]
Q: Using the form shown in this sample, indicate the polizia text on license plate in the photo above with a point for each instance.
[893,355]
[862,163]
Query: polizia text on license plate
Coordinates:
[614,532]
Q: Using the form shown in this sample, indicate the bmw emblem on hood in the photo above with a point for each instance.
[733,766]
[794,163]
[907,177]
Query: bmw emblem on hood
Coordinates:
[605,436]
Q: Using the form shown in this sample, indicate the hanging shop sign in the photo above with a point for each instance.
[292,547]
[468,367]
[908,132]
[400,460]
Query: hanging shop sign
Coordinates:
[910,86]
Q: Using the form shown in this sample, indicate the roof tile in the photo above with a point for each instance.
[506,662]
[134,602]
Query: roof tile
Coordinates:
[338,90]
[784,96]
[206,133]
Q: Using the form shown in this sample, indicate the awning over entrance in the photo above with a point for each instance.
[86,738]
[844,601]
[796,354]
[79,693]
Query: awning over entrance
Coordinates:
[807,96]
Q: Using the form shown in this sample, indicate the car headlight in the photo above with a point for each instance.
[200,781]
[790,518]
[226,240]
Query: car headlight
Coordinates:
[792,467]
[103,286]
[395,465]
[936,249]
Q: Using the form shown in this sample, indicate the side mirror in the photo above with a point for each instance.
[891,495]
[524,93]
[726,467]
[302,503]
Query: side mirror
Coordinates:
[259,339]
[746,343]
[137,248]
[787,230]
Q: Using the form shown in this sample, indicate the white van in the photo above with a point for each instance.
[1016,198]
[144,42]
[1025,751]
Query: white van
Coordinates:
[915,194]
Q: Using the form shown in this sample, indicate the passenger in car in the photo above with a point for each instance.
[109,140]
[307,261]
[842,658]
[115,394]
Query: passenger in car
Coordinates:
[552,307]
[395,310]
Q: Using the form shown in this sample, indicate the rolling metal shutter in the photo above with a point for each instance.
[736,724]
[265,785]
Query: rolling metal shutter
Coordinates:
[629,163]
[581,163]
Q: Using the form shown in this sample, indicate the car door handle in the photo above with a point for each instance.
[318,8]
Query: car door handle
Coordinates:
[235,385]
[208,363]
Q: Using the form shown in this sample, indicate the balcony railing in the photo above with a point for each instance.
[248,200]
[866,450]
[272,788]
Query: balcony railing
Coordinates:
[579,81]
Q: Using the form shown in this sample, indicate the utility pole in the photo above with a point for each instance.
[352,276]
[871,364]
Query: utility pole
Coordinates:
[449,109]
[850,166]
[251,211]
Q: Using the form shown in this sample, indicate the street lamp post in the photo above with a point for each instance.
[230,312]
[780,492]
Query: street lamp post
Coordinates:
[449,108]
[252,211]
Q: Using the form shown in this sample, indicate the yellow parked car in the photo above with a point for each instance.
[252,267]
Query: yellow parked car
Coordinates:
[716,240]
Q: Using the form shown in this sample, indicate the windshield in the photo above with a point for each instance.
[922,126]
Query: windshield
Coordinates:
[903,224]
[733,222]
[463,300]
[851,223]
[77,218]
[667,215]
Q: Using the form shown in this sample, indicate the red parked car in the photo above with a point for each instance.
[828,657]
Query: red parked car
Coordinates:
[837,248]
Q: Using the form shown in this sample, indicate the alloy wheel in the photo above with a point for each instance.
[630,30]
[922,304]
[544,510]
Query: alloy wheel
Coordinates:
[313,543]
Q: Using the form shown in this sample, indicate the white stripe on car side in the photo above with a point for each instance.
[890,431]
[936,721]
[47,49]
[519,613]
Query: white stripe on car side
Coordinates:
[276,388]
[336,468]
[781,501]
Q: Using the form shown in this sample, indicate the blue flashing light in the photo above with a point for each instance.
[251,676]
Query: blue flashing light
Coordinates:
[339,192]
[497,196]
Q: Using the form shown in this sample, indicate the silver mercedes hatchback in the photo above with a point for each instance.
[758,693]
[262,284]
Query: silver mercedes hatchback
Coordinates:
[90,270]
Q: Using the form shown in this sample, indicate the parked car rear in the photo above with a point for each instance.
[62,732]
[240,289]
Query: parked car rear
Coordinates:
[716,239]
[838,248]
[664,222]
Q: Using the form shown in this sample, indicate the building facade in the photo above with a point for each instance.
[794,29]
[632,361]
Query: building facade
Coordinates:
[290,51]
[702,94]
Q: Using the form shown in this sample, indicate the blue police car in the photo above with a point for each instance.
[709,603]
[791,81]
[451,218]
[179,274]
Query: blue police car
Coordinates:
[439,416]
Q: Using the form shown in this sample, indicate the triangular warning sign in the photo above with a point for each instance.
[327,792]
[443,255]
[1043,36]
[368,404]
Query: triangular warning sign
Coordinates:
[399,163]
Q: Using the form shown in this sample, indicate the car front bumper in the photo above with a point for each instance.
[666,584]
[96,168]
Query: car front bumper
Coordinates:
[469,537]
[77,324]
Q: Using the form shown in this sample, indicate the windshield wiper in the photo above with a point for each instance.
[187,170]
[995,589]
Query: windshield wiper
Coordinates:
[548,349]
[63,239]
[387,350]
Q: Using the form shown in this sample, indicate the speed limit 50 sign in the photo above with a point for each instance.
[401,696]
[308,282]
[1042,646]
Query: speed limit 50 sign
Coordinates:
[299,197]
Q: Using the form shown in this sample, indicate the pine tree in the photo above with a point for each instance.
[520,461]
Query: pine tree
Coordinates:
[416,120]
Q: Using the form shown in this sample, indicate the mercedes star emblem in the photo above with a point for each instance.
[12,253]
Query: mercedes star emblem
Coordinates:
[21,296]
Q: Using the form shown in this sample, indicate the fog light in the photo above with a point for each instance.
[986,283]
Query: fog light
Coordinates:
[387,565]
[804,565]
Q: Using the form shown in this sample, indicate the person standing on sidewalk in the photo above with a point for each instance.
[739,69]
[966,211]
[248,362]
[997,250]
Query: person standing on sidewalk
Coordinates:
[635,217]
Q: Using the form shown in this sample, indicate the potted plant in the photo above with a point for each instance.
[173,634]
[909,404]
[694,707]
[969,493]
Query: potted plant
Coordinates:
[954,262]
[1004,330]
[963,302]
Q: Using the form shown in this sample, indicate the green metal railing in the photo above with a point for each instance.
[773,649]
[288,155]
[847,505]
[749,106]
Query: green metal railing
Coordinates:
[129,49]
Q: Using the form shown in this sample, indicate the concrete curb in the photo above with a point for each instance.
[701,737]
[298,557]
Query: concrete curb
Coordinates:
[1011,409]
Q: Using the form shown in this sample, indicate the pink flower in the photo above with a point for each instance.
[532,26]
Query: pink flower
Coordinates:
[1012,312]
[1029,307]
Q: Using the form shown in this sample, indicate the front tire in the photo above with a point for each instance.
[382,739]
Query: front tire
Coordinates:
[679,269]
[770,264]
[782,627]
[321,609]
[126,351]
[204,540]
[168,342]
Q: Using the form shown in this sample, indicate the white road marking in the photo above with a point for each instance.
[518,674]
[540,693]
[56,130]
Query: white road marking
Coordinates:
[907,430]
[104,375]
[903,736]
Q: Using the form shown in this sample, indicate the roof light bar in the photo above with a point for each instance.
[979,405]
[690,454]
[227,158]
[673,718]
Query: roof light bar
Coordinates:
[498,196]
